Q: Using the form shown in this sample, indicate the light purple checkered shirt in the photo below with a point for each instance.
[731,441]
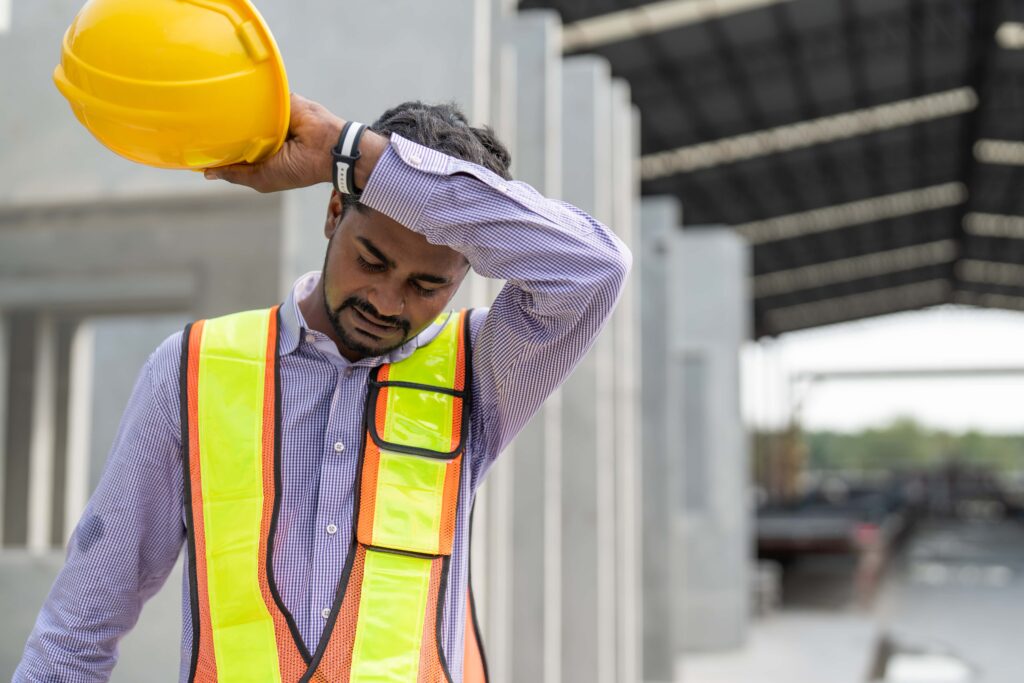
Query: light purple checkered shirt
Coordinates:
[564,272]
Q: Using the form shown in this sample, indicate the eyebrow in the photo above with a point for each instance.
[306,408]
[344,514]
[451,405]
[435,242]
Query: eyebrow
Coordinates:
[423,277]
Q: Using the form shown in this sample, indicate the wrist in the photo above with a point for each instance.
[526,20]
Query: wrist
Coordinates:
[371,149]
[327,162]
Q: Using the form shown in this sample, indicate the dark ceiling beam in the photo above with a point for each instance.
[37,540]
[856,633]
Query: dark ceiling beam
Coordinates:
[822,47]
[857,55]
[983,46]
[862,304]
[688,102]
[743,89]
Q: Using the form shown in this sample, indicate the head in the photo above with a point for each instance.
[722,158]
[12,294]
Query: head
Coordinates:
[383,283]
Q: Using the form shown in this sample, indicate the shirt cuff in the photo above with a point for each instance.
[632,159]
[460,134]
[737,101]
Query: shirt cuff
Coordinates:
[403,181]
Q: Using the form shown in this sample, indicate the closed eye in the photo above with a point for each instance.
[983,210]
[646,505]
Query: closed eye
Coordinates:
[369,267]
[425,291]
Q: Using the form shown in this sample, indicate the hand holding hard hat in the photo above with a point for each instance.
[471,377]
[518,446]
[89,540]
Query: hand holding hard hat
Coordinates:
[305,158]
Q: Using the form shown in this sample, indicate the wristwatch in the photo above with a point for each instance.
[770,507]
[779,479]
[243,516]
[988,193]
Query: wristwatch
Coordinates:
[345,155]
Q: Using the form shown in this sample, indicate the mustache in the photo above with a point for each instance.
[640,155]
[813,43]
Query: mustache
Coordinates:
[366,307]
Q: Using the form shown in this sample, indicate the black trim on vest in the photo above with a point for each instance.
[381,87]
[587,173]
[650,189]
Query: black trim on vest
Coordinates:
[442,593]
[416,385]
[405,553]
[190,533]
[271,533]
[472,604]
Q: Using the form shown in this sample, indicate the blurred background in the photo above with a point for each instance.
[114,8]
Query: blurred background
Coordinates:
[796,454]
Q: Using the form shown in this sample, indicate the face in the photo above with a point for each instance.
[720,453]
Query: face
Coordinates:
[383,284]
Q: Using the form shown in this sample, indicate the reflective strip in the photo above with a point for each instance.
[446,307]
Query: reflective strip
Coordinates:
[410,491]
[410,498]
[232,365]
[392,608]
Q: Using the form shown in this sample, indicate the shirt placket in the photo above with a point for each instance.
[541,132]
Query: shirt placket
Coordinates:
[335,513]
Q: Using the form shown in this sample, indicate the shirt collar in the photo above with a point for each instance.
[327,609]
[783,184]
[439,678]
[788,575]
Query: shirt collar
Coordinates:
[294,328]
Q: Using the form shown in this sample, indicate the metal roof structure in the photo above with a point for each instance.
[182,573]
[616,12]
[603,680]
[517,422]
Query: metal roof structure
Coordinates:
[870,150]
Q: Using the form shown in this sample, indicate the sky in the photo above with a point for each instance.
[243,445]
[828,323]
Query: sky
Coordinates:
[938,338]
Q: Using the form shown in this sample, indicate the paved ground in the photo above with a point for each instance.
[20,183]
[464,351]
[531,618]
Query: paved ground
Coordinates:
[793,647]
[958,588]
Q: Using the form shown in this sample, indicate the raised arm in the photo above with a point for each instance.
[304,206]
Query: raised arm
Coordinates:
[564,273]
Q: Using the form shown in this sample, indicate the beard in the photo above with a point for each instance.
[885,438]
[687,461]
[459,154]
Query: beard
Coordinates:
[348,340]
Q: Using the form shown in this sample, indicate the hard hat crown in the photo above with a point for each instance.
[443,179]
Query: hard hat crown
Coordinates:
[176,83]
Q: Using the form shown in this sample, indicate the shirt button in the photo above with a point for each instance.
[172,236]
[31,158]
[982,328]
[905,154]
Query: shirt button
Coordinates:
[415,160]
[326,612]
[332,529]
[310,338]
[348,372]
[339,447]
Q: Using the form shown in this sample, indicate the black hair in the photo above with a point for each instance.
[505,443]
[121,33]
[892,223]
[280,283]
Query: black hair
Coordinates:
[443,127]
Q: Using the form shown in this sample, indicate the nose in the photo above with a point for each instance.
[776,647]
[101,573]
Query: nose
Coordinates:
[388,301]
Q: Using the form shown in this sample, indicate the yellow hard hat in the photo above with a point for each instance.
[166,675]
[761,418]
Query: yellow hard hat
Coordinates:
[184,84]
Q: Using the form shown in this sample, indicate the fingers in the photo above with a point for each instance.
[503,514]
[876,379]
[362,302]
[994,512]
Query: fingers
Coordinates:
[250,175]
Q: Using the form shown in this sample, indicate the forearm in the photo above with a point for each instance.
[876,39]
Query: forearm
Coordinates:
[564,263]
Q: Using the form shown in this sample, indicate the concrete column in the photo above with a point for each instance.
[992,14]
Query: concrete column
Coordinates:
[79,413]
[41,446]
[660,219]
[535,572]
[625,330]
[709,324]
[588,437]
[4,381]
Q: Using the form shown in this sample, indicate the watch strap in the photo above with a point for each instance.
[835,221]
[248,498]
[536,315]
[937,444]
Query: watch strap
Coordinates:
[345,155]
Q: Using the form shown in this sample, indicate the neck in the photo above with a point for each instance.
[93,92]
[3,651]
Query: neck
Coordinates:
[314,310]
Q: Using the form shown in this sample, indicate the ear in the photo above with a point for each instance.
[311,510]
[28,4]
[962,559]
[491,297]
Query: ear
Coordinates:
[335,209]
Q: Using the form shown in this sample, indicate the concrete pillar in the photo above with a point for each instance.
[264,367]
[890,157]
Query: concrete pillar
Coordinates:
[709,324]
[41,446]
[625,330]
[535,468]
[660,219]
[4,379]
[588,486]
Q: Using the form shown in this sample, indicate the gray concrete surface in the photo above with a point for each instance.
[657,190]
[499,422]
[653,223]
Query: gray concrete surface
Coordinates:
[709,323]
[662,577]
[588,490]
[535,576]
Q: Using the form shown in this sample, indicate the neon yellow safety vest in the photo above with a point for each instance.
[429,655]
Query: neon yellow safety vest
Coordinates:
[384,626]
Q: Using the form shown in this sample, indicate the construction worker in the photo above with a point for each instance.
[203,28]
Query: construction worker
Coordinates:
[324,511]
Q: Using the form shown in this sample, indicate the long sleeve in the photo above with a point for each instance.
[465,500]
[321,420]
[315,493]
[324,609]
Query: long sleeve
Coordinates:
[564,273]
[121,551]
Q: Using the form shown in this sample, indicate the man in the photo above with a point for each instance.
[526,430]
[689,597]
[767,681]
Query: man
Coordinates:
[426,197]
